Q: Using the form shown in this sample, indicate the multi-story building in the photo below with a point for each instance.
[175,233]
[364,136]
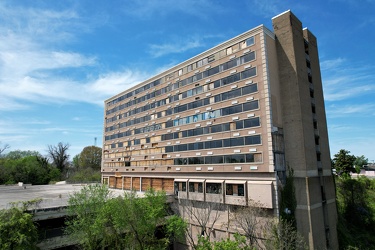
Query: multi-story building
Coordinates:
[225,125]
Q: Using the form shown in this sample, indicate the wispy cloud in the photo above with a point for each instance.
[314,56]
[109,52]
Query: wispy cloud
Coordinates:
[149,9]
[343,80]
[357,109]
[33,71]
[157,50]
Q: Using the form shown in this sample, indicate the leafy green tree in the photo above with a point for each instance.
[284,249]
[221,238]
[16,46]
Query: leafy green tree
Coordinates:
[17,230]
[75,162]
[360,162]
[140,217]
[90,157]
[356,212]
[344,162]
[18,154]
[98,220]
[87,225]
[239,243]
[28,169]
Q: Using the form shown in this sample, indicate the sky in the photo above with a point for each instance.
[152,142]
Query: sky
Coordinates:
[60,60]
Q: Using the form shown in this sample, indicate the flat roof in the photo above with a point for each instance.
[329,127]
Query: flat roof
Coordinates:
[51,195]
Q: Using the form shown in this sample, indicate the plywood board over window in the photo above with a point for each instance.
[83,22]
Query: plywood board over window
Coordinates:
[157,184]
[112,182]
[136,183]
[146,183]
[119,182]
[127,183]
[168,185]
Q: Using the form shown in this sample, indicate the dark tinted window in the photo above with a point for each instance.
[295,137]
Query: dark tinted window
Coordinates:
[253,122]
[250,89]
[251,140]
[250,105]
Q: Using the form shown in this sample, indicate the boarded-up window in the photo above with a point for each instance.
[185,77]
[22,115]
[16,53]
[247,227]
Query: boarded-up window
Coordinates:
[136,183]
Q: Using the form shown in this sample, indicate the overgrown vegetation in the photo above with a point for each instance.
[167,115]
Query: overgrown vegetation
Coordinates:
[17,230]
[356,212]
[86,165]
[32,168]
[28,167]
[101,221]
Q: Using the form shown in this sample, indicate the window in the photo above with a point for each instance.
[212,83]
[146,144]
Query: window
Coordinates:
[235,109]
[200,187]
[183,186]
[248,73]
[250,158]
[239,125]
[235,189]
[234,159]
[253,122]
[250,41]
[213,188]
[236,141]
[251,105]
[214,160]
[250,89]
[196,187]
[251,140]
[169,124]
[248,57]
[191,187]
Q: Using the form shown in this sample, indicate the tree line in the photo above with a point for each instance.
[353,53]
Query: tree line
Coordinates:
[32,167]
[99,220]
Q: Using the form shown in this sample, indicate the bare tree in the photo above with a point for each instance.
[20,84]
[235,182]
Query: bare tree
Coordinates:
[281,234]
[3,148]
[59,155]
[251,221]
[202,217]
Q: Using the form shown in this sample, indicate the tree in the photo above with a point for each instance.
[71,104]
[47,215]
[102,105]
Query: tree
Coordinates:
[59,155]
[18,154]
[140,218]
[356,212]
[282,234]
[90,157]
[203,217]
[87,225]
[17,230]
[251,221]
[98,220]
[360,162]
[75,162]
[3,148]
[28,169]
[344,162]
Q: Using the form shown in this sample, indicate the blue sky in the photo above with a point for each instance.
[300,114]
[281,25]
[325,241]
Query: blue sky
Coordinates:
[59,60]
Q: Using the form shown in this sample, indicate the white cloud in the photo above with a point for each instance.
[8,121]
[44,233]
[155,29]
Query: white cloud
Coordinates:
[357,109]
[343,80]
[33,71]
[157,50]
[148,9]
